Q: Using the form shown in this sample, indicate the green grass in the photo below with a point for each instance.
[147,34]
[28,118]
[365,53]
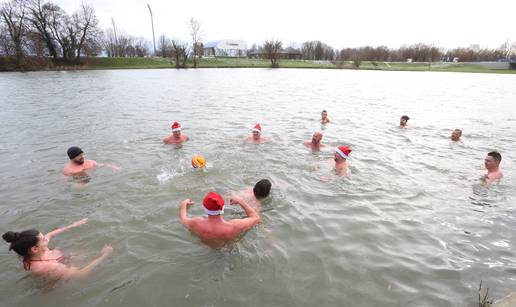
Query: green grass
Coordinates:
[221,62]
[128,63]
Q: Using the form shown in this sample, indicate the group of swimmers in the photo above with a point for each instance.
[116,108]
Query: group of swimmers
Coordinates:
[213,229]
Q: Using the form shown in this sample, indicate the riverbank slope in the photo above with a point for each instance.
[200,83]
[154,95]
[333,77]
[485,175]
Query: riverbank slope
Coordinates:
[34,64]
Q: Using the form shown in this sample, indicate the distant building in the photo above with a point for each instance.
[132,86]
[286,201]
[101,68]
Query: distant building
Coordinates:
[225,47]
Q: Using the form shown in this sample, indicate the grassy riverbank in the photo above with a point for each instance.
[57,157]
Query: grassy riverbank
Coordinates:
[125,63]
[6,64]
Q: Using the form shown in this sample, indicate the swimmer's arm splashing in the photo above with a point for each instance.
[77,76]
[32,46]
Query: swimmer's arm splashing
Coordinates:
[63,229]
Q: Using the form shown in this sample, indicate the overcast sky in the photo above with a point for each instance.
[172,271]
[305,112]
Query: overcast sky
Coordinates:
[444,23]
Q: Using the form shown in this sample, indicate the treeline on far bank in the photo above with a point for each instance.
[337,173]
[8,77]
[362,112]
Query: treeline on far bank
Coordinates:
[39,34]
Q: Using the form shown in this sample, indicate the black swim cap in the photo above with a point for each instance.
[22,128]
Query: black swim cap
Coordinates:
[73,152]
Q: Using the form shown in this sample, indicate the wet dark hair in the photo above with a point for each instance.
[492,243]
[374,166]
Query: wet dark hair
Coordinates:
[324,111]
[459,131]
[405,117]
[73,152]
[22,242]
[262,188]
[496,155]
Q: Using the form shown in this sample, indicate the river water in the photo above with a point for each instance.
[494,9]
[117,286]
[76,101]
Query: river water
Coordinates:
[410,226]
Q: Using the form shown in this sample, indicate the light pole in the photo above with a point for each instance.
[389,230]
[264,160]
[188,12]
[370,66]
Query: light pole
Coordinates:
[152,22]
[115,49]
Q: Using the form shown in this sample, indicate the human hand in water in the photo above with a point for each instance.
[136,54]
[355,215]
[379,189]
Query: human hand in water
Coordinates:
[106,250]
[79,223]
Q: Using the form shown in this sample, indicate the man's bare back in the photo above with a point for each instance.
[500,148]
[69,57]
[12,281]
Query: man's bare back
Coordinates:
[214,230]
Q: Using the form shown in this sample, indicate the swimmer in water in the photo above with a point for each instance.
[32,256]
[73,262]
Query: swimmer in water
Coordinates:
[324,117]
[257,137]
[259,192]
[403,121]
[198,161]
[315,144]
[492,165]
[340,158]
[214,230]
[176,137]
[41,261]
[78,165]
[456,134]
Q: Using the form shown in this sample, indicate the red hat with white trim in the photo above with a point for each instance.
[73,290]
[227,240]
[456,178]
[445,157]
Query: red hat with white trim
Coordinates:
[213,204]
[343,151]
[257,128]
[176,127]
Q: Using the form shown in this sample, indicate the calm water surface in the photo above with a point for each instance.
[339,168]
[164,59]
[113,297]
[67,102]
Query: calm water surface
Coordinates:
[411,226]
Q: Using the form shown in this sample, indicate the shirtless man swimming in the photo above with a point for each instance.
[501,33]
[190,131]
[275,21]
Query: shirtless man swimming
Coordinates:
[255,195]
[176,137]
[324,117]
[214,230]
[257,137]
[340,158]
[456,134]
[403,121]
[492,164]
[78,165]
[315,144]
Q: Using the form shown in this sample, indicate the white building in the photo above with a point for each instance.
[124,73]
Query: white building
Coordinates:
[225,47]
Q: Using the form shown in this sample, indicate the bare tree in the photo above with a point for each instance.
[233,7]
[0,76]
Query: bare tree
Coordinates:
[164,46]
[39,18]
[5,41]
[307,50]
[179,51]
[35,44]
[141,48]
[271,50]
[13,15]
[86,25]
[508,49]
[195,33]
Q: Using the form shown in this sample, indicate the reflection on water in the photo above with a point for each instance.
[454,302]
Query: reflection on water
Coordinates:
[410,226]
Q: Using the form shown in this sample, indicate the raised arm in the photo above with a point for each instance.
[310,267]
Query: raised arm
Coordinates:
[63,229]
[72,273]
[183,218]
[252,218]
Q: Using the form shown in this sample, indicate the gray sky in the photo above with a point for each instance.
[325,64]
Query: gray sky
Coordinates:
[445,23]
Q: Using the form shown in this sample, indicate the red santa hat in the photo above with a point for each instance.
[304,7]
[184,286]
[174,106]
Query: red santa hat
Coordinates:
[176,127]
[343,151]
[213,204]
[258,128]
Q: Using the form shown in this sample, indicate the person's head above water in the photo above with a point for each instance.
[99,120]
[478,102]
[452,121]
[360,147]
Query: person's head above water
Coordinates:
[324,114]
[198,161]
[176,129]
[26,243]
[492,161]
[456,134]
[257,131]
[76,155]
[316,138]
[342,153]
[262,189]
[213,204]
[403,120]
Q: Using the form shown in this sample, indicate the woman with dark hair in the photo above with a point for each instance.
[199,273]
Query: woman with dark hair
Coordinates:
[37,258]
